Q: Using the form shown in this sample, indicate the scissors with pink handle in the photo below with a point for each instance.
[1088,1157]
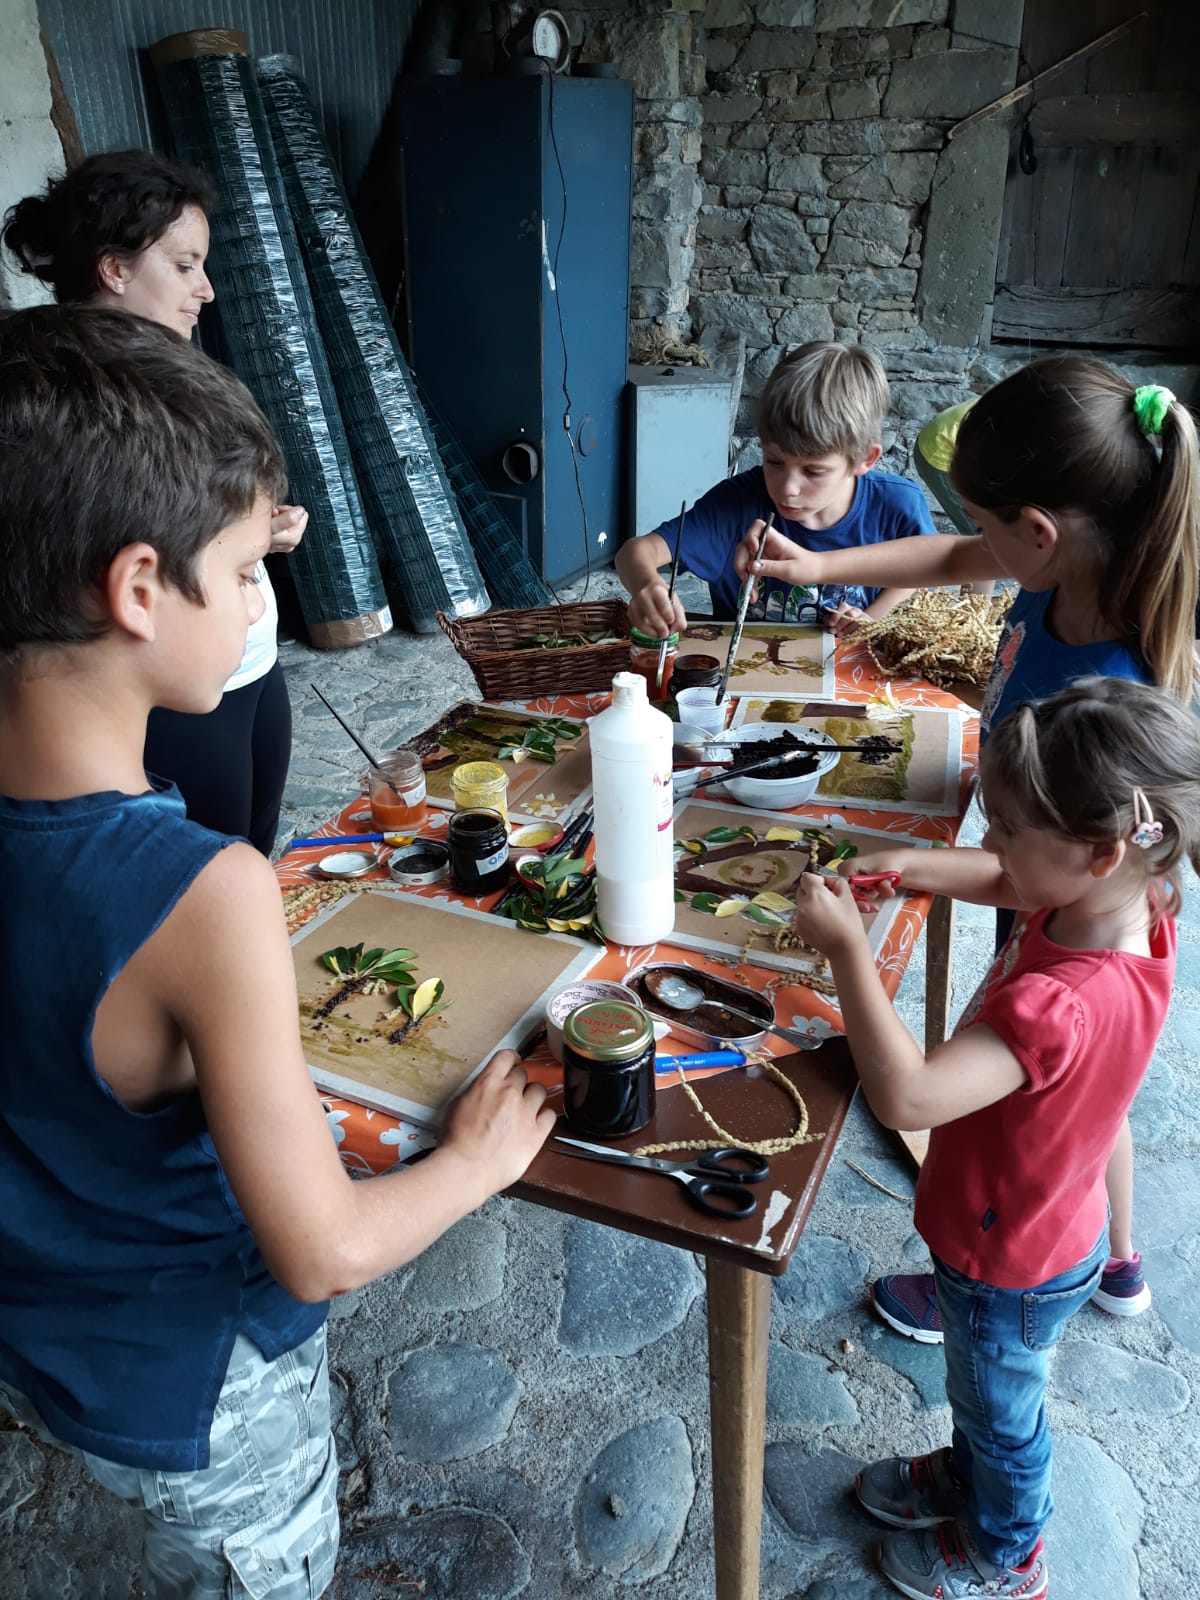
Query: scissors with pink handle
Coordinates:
[868,881]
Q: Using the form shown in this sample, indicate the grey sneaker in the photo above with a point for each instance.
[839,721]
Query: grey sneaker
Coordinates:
[916,1492]
[946,1564]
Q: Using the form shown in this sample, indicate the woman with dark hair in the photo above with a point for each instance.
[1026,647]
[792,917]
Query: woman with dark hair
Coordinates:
[128,231]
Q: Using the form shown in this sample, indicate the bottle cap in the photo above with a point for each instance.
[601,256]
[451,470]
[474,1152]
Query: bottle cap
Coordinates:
[608,1031]
[628,688]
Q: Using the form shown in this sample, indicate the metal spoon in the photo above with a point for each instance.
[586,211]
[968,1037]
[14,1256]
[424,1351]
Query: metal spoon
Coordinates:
[681,995]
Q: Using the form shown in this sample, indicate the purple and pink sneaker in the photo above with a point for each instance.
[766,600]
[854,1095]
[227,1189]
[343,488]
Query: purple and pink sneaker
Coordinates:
[907,1301]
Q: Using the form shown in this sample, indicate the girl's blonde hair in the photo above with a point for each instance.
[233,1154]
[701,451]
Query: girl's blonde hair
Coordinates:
[1062,435]
[1074,763]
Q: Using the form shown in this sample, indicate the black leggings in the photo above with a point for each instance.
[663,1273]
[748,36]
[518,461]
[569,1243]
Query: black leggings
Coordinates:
[232,764]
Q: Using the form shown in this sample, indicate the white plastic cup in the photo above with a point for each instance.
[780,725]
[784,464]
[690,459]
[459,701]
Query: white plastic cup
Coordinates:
[699,709]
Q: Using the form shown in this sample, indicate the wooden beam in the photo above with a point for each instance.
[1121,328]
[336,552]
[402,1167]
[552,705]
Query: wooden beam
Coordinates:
[1030,84]
[1165,317]
[1152,117]
[62,116]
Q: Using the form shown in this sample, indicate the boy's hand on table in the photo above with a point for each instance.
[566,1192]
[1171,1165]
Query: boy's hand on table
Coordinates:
[774,556]
[826,915]
[843,622]
[653,610]
[287,528]
[500,1122]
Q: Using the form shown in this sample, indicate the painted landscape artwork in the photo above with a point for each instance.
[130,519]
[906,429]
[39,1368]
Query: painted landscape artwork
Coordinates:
[908,760]
[536,788]
[359,1039]
[735,881]
[773,657]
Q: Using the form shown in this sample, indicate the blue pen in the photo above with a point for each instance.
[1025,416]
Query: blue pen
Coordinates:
[704,1058]
[338,839]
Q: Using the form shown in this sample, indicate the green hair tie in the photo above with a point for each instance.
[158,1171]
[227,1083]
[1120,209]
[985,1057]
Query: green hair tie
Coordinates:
[1150,405]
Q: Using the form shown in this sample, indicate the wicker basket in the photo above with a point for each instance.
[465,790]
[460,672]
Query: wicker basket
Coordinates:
[487,644]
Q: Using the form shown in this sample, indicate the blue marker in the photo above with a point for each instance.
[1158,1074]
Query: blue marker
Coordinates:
[705,1058]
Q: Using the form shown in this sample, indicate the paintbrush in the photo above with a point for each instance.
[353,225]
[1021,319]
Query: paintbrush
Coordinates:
[345,725]
[740,623]
[767,764]
[662,649]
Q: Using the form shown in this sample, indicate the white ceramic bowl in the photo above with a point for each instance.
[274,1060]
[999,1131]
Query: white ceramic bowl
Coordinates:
[778,794]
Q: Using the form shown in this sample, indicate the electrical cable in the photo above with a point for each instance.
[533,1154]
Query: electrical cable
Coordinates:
[562,335]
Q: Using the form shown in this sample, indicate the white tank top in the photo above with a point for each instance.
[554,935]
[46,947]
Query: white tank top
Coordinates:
[262,647]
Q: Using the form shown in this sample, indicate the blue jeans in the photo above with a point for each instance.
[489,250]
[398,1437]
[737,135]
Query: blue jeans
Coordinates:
[997,1344]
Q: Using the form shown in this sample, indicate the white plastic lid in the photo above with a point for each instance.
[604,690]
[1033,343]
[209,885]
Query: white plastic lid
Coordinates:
[628,688]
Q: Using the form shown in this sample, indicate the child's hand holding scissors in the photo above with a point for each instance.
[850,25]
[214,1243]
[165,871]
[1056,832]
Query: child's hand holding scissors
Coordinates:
[873,878]
[827,916]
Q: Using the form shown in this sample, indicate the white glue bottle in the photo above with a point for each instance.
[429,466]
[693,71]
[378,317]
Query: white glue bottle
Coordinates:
[633,798]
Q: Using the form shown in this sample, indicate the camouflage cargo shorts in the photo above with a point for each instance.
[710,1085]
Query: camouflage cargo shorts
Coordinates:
[261,1519]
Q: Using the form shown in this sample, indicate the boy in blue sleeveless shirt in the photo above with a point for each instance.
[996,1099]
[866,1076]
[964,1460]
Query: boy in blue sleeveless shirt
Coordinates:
[820,421]
[163,1279]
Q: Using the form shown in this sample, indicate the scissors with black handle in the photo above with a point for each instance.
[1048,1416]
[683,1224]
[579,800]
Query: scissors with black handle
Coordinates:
[714,1181]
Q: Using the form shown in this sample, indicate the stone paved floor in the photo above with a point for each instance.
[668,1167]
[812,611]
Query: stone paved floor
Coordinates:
[523,1411]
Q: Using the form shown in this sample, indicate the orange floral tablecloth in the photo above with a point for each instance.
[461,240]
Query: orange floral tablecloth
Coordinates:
[372,1141]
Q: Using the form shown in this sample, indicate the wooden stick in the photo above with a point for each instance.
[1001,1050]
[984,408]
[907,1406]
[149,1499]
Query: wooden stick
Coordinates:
[1030,84]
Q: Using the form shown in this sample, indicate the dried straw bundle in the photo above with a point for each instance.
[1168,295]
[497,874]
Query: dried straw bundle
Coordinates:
[946,637]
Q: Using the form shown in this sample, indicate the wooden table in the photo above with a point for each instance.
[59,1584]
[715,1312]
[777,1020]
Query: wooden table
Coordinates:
[740,1257]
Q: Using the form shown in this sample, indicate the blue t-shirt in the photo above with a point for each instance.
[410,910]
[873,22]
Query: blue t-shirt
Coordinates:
[884,507]
[1031,664]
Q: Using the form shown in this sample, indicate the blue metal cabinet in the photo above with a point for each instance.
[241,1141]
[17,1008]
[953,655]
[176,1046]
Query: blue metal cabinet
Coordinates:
[488,281]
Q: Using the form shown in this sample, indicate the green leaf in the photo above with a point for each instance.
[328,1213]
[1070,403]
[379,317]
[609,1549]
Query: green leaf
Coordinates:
[679,896]
[843,852]
[769,918]
[705,902]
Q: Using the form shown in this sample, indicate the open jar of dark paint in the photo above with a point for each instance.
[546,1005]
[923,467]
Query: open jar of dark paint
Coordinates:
[478,843]
[608,1069]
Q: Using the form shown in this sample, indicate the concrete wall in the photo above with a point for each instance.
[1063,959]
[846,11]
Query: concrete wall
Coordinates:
[29,147]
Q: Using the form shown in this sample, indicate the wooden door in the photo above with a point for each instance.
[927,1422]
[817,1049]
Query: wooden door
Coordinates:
[1101,245]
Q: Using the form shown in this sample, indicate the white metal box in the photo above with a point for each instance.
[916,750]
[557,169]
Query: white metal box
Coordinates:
[678,440]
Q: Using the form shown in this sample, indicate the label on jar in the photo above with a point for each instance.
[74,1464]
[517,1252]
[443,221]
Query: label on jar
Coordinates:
[490,863]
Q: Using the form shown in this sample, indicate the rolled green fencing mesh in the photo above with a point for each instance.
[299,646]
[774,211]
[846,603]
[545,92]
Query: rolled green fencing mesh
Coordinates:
[268,326]
[409,502]
[513,581]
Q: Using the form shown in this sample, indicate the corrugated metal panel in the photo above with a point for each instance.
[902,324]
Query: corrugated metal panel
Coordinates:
[351,51]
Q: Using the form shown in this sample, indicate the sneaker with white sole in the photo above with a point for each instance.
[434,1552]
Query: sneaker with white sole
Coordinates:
[945,1563]
[1123,1290]
[912,1492]
[907,1301]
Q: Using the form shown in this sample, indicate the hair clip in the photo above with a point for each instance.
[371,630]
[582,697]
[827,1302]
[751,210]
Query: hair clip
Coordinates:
[1147,832]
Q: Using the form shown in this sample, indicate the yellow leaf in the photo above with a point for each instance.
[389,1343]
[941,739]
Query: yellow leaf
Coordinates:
[776,835]
[517,756]
[772,902]
[695,848]
[424,997]
[569,924]
[730,908]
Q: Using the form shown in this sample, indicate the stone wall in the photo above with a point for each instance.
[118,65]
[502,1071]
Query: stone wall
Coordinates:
[30,151]
[829,204]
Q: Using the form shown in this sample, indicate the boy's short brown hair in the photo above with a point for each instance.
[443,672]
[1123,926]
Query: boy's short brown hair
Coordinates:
[113,432]
[825,400]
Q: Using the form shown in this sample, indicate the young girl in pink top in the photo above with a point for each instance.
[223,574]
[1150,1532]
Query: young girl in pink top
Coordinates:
[1093,799]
